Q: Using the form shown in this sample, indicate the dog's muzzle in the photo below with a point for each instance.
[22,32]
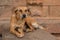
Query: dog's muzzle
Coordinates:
[24,16]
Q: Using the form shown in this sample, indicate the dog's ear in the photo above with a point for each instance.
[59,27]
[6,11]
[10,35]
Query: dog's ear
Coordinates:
[29,12]
[16,11]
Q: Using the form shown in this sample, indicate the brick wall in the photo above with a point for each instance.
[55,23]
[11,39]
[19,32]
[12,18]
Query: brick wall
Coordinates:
[48,14]
[52,7]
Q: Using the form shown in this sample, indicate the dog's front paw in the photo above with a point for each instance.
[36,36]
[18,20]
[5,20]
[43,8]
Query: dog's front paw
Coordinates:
[29,30]
[20,35]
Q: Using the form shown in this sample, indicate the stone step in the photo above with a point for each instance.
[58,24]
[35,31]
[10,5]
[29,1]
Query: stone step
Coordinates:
[36,35]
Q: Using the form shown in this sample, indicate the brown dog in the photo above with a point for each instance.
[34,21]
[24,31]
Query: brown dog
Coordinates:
[21,18]
[17,22]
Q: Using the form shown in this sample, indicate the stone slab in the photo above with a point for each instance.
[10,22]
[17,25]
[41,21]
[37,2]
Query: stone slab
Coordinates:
[36,35]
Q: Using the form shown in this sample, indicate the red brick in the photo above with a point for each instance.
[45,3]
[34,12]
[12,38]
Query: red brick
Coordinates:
[55,11]
[51,2]
[13,2]
[45,12]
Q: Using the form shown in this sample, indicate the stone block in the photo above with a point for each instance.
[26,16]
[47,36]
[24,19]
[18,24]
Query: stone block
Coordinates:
[13,2]
[54,11]
[36,35]
[51,2]
[45,11]
[36,10]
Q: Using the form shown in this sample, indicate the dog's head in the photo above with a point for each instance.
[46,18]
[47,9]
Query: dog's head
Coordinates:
[22,12]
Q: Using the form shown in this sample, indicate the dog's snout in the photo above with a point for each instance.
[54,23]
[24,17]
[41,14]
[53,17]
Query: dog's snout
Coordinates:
[24,15]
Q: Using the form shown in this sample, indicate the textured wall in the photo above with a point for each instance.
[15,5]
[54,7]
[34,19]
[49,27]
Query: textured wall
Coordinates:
[46,14]
[52,7]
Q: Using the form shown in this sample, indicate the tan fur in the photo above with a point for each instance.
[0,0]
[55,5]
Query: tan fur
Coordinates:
[15,23]
[33,24]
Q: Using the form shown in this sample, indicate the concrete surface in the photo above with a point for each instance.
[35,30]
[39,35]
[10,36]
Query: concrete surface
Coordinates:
[36,35]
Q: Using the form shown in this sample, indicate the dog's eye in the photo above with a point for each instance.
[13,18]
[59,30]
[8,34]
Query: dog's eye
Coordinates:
[20,10]
[27,10]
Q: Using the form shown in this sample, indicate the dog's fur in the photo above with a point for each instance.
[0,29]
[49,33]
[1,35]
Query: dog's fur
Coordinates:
[21,18]
[17,22]
[32,23]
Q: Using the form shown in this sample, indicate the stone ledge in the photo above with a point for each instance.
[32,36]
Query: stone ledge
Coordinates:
[36,35]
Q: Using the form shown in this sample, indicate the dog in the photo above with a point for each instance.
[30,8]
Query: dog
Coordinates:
[22,21]
[17,22]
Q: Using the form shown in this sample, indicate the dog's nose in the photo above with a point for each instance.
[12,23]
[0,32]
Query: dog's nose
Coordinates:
[24,15]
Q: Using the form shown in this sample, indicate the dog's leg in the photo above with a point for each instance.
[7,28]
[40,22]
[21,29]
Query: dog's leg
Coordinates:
[12,30]
[21,30]
[31,28]
[12,27]
[28,24]
[36,25]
